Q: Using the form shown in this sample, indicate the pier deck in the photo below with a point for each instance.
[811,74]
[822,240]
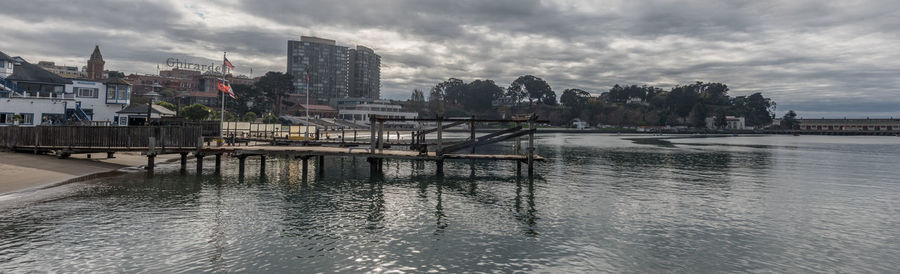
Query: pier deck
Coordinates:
[153,141]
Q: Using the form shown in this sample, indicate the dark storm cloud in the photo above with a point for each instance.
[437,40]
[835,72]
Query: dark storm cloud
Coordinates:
[815,56]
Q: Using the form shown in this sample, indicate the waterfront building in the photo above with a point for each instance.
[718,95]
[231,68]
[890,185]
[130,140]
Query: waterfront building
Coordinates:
[326,63]
[136,115]
[731,123]
[290,104]
[32,95]
[206,98]
[890,124]
[317,111]
[365,73]
[361,110]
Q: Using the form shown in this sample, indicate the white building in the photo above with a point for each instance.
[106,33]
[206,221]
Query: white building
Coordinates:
[99,101]
[31,95]
[731,123]
[361,110]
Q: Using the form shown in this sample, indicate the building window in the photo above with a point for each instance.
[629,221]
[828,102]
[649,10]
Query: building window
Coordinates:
[123,93]
[111,92]
[27,118]
[86,92]
[6,118]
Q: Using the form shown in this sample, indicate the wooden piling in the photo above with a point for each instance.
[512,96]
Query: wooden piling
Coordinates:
[199,157]
[380,136]
[472,133]
[440,134]
[151,162]
[184,161]
[439,167]
[320,165]
[305,166]
[241,160]
[218,162]
[262,164]
[531,127]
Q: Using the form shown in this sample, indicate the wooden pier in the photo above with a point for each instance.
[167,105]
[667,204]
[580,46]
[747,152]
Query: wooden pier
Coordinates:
[64,141]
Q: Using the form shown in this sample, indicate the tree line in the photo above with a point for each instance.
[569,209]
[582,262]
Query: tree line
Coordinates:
[621,105]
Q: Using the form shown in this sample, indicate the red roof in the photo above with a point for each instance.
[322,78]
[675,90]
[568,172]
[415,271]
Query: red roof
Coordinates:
[206,94]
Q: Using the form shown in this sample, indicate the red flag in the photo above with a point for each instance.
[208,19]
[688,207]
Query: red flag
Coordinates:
[228,63]
[224,87]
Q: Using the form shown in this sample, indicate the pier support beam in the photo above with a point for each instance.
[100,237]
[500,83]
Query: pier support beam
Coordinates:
[151,162]
[218,162]
[199,157]
[320,166]
[375,166]
[241,160]
[262,164]
[184,161]
[531,146]
[439,167]
[304,162]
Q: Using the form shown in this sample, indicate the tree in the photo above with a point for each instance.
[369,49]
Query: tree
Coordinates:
[478,95]
[789,121]
[755,109]
[274,86]
[681,100]
[417,96]
[167,105]
[167,92]
[249,116]
[721,121]
[574,97]
[271,119]
[533,89]
[452,91]
[195,112]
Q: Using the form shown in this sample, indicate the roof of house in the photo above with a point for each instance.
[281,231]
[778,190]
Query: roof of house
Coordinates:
[318,107]
[27,72]
[204,94]
[142,109]
[117,81]
[3,56]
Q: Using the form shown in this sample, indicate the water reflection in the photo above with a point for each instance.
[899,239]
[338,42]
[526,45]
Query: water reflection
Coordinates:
[600,204]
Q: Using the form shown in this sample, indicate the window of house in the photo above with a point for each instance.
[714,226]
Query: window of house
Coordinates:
[6,118]
[27,118]
[86,92]
[111,92]
[123,93]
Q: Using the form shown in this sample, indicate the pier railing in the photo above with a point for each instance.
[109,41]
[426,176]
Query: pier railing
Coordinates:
[98,137]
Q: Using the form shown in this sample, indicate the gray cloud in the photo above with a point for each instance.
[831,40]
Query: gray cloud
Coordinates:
[819,57]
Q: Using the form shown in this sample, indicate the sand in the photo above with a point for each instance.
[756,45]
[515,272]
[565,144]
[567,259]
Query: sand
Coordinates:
[19,171]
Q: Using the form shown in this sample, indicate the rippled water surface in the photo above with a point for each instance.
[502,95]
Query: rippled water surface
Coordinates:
[601,203]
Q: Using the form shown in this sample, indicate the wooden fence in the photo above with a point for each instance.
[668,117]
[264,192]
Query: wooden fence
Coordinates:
[99,137]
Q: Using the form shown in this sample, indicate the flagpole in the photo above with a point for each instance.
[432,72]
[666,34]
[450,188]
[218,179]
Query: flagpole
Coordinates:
[222,114]
[307,104]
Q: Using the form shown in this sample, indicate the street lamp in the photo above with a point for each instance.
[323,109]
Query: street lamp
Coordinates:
[150,96]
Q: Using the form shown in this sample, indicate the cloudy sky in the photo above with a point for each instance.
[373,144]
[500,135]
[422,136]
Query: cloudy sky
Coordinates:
[821,58]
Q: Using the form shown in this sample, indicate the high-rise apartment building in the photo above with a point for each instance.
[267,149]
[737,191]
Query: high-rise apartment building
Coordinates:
[365,73]
[326,63]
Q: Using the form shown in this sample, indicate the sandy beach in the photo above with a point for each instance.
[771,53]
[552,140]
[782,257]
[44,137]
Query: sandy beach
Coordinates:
[19,171]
